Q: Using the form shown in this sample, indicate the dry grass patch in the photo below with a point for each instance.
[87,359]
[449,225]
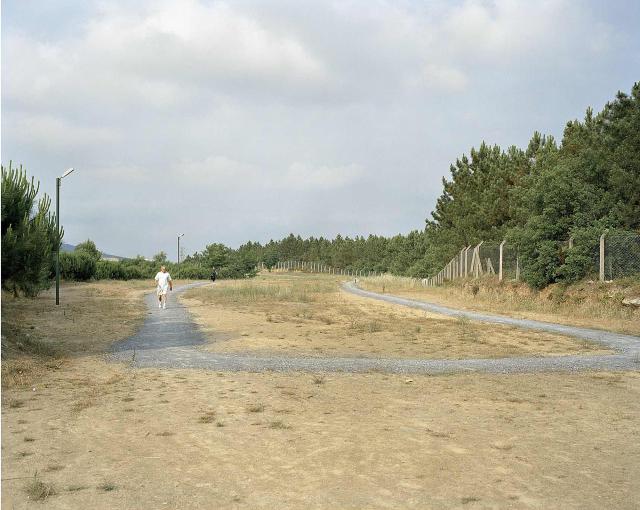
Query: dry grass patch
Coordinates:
[208,417]
[255,408]
[587,304]
[91,316]
[308,315]
[39,490]
[107,486]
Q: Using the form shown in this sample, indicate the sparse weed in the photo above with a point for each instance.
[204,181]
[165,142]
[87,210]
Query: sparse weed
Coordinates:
[466,331]
[255,408]
[318,379]
[54,467]
[279,425]
[208,417]
[76,488]
[373,327]
[37,490]
[107,486]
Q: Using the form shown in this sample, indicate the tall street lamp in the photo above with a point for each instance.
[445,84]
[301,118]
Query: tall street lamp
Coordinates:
[178,268]
[58,179]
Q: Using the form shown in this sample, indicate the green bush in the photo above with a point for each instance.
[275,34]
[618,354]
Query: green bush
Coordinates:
[77,266]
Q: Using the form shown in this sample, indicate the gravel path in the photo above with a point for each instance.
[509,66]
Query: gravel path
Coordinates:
[170,339]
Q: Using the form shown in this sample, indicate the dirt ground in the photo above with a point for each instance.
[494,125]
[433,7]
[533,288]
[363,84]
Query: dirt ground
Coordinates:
[308,315]
[104,436]
[586,304]
[78,432]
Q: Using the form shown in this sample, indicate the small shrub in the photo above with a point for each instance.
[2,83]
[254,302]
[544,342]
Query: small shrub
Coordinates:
[37,490]
[256,408]
[77,265]
[208,417]
[279,425]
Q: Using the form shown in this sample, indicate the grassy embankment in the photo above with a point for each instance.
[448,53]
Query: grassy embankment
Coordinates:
[588,304]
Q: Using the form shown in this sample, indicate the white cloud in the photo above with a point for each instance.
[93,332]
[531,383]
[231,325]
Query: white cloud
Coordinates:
[221,172]
[445,78]
[302,176]
[57,133]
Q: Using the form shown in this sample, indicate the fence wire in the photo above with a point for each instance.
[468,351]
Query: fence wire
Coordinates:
[490,258]
[621,254]
[511,265]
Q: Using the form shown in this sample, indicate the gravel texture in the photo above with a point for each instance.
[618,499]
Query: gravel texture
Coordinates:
[170,338]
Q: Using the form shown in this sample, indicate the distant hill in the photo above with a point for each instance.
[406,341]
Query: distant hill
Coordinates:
[70,247]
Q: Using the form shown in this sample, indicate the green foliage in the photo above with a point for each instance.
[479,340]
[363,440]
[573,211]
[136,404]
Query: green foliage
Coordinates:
[89,247]
[160,259]
[269,259]
[78,265]
[29,234]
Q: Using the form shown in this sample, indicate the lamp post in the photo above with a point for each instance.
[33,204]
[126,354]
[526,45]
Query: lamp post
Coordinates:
[58,179]
[178,268]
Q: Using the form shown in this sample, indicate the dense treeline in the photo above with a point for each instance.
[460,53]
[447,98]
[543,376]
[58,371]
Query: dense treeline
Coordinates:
[85,263]
[536,198]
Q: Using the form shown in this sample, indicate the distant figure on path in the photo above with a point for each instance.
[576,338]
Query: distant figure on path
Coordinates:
[163,279]
[214,275]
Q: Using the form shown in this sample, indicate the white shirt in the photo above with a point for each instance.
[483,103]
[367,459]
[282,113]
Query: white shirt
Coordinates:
[163,280]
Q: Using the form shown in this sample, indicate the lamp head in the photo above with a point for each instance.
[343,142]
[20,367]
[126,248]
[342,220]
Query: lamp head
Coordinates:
[180,235]
[67,172]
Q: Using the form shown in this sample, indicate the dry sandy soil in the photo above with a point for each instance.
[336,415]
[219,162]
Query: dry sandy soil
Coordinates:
[308,315]
[79,432]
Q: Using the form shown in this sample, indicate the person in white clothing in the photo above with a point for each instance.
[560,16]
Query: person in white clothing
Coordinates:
[164,284]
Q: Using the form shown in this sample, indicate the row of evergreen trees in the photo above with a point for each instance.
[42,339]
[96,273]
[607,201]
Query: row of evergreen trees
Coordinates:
[535,197]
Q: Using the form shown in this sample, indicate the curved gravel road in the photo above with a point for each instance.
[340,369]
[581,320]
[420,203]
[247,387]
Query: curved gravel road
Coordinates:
[170,339]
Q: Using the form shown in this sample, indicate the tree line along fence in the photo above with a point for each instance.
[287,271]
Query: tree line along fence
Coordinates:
[616,255]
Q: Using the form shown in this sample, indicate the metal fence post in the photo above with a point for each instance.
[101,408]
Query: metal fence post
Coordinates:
[466,261]
[602,255]
[501,252]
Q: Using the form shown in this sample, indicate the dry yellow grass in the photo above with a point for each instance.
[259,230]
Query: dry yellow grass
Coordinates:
[38,336]
[595,305]
[308,315]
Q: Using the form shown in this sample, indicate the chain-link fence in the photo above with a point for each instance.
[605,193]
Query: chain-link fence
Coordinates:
[511,264]
[615,255]
[621,255]
[489,254]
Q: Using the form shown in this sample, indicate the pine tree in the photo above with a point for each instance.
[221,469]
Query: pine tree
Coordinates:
[29,234]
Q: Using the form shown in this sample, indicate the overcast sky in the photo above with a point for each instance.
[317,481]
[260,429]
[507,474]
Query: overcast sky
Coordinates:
[236,121]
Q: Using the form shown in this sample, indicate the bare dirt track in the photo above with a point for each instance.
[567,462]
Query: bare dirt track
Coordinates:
[109,435]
